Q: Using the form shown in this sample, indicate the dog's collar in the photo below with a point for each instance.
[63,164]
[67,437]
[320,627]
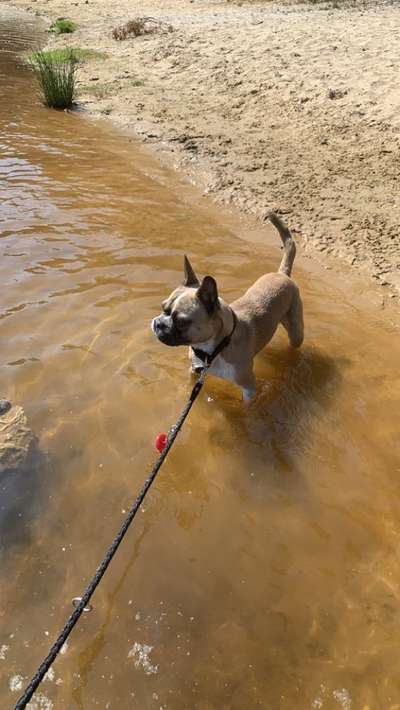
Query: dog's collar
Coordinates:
[207,358]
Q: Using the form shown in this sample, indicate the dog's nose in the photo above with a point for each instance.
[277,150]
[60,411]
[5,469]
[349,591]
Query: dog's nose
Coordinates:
[158,325]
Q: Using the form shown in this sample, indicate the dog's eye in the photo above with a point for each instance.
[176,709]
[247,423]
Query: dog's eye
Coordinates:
[166,310]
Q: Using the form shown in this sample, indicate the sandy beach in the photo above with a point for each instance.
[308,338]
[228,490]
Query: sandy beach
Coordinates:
[264,105]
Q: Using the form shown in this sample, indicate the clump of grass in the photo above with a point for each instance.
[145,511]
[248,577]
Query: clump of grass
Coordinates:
[56,78]
[60,56]
[62,26]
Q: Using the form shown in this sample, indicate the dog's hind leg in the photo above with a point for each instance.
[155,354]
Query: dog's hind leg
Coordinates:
[293,322]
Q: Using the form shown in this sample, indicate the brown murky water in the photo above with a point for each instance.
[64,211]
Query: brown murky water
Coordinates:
[263,570]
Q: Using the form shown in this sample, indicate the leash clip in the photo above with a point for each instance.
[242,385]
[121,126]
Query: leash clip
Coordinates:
[77,600]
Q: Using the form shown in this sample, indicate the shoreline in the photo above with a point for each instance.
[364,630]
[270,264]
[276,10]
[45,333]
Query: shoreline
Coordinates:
[243,129]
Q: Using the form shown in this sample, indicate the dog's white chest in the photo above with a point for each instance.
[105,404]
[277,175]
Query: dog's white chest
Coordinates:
[221,368]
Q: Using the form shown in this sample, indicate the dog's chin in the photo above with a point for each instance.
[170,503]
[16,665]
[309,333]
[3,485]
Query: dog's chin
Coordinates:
[172,340]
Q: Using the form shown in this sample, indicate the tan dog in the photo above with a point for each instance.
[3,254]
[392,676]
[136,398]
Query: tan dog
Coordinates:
[229,336]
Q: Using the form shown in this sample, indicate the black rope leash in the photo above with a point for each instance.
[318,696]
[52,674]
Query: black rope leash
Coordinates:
[84,600]
[81,603]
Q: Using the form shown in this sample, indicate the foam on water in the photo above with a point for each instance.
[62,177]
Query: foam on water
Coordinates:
[141,655]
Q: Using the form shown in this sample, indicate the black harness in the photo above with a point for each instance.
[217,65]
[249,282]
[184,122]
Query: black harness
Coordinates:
[208,358]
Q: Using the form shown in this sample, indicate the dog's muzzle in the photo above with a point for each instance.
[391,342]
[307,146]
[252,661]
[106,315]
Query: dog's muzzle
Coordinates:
[164,329]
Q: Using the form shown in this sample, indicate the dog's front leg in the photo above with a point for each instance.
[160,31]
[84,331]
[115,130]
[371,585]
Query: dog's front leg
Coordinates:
[248,393]
[247,382]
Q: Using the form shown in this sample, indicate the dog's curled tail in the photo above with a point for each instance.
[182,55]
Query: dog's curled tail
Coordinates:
[289,245]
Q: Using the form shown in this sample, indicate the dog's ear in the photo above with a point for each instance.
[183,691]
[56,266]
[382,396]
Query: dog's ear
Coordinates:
[190,277]
[208,294]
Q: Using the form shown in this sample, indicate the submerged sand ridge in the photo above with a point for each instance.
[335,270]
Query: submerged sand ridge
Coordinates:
[267,105]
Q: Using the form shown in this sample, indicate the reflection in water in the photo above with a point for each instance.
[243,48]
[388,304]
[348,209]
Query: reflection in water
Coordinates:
[263,569]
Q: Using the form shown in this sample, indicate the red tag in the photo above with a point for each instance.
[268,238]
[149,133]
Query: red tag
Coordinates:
[161,442]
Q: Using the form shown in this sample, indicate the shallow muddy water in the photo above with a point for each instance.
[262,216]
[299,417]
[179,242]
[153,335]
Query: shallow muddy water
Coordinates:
[263,568]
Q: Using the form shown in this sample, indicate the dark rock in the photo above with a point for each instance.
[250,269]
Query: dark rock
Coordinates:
[5,406]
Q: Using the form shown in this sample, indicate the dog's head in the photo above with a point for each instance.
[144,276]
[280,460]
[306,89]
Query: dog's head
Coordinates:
[190,313]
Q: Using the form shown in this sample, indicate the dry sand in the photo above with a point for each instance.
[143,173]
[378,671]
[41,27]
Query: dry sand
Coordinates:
[266,105]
